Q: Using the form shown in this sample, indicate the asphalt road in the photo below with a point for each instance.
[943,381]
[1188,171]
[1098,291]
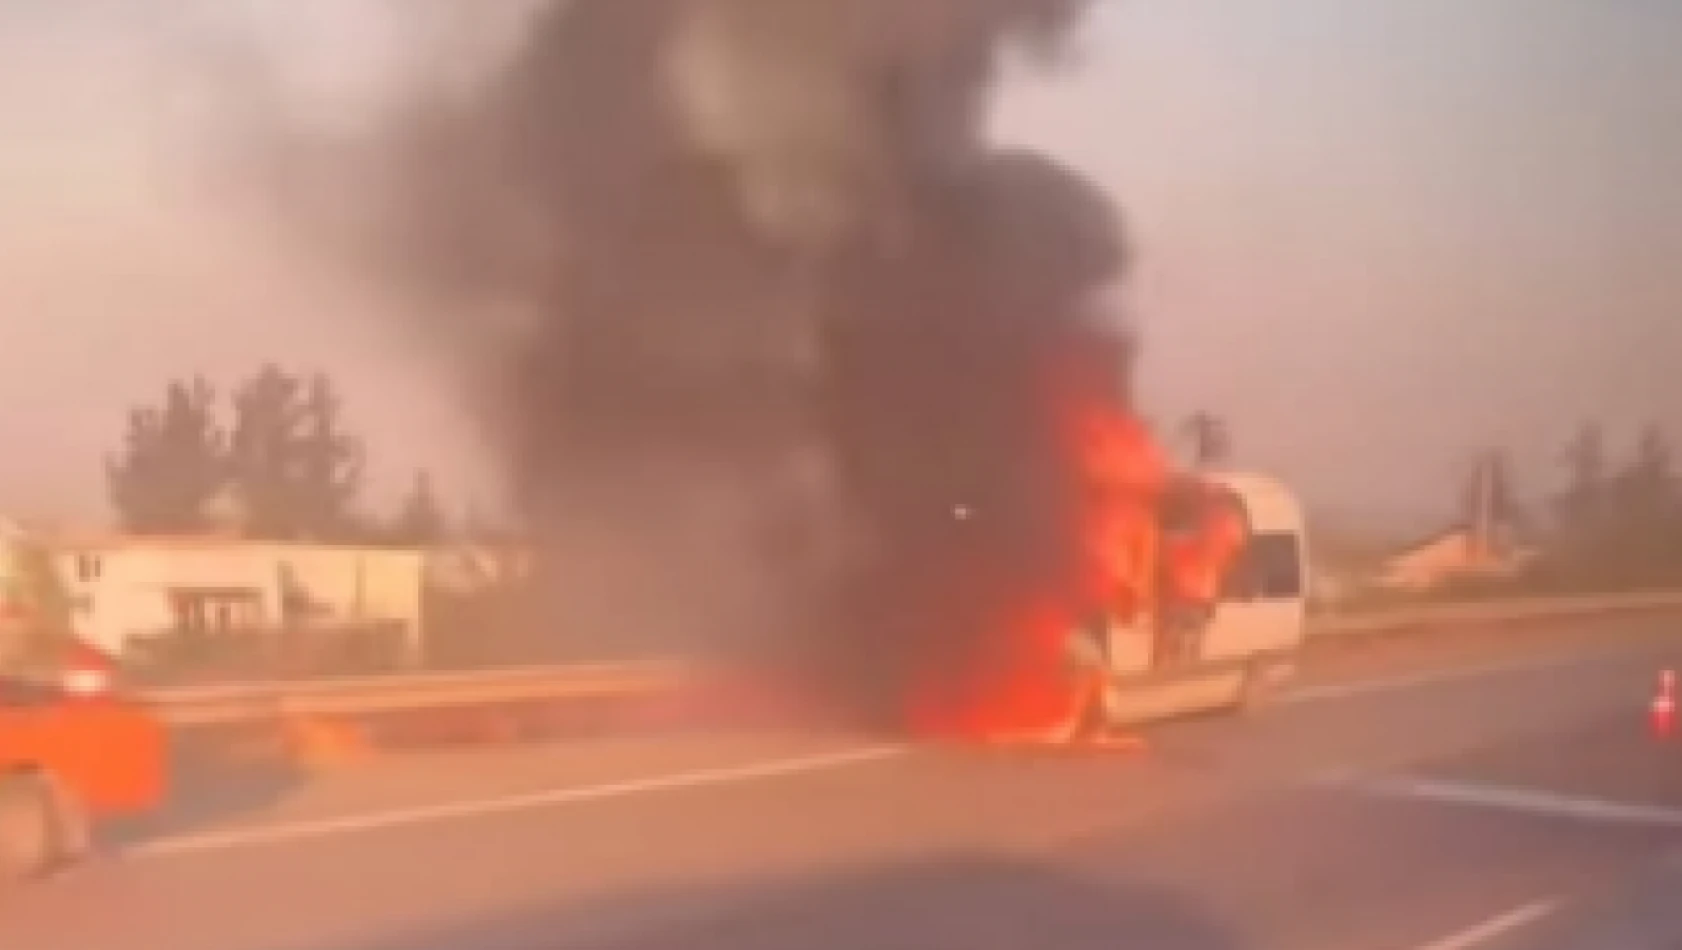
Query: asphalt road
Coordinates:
[1496,790]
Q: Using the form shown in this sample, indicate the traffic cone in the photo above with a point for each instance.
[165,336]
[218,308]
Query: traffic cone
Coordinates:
[1661,713]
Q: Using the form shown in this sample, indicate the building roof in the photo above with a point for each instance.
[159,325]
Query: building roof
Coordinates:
[189,542]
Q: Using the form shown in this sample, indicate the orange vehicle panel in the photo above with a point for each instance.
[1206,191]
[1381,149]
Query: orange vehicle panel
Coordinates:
[109,753]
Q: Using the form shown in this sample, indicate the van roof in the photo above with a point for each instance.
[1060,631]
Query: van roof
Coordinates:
[1269,505]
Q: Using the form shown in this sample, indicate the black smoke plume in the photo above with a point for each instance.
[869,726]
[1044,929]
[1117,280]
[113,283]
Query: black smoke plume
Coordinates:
[780,391]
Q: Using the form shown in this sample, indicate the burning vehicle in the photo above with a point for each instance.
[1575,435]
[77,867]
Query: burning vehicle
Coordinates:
[1187,594]
[806,365]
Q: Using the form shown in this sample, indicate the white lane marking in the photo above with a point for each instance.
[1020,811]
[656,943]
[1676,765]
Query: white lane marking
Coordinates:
[327,827]
[1522,800]
[1488,930]
[1392,684]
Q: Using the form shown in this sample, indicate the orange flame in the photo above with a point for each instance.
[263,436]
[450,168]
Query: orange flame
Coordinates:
[1017,684]
[1020,683]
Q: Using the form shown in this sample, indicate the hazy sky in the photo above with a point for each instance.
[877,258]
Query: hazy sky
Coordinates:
[1374,235]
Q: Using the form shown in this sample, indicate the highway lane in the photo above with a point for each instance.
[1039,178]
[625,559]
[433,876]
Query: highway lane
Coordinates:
[1295,828]
[1330,669]
[1644,915]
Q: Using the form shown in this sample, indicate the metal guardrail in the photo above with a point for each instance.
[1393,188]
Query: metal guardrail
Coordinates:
[1493,611]
[373,695]
[238,702]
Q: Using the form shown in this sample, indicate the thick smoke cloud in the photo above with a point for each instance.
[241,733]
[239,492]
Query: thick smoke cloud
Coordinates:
[782,382]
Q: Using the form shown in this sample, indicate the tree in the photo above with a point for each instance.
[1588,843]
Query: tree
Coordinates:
[1619,527]
[296,471]
[330,462]
[1211,443]
[171,464]
[421,520]
[35,626]
[1582,504]
[1649,483]
[261,452]
[1646,502]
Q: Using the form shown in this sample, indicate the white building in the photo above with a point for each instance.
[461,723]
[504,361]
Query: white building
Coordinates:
[1452,555]
[125,588]
[1485,545]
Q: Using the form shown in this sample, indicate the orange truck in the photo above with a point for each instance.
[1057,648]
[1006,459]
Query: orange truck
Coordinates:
[74,749]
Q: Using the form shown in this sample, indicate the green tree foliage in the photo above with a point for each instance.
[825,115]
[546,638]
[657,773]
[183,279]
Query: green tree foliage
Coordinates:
[331,463]
[294,468]
[261,452]
[1618,526]
[1583,504]
[1647,510]
[1647,487]
[171,463]
[35,625]
[421,520]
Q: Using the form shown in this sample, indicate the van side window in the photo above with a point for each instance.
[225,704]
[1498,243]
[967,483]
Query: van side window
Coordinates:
[1269,569]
